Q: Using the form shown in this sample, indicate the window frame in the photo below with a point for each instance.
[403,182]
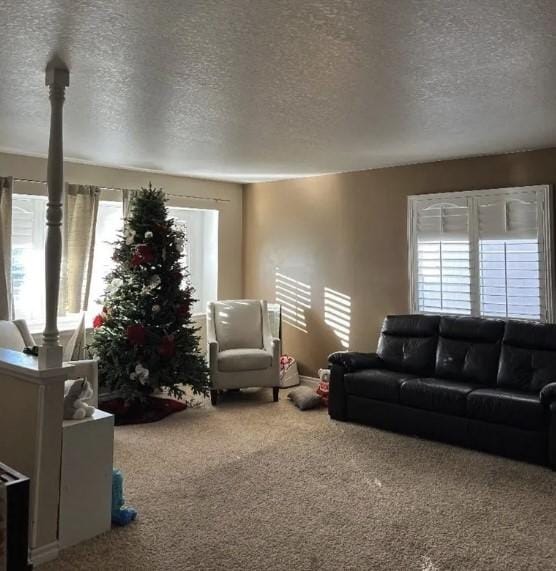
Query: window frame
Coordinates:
[545,233]
[69,321]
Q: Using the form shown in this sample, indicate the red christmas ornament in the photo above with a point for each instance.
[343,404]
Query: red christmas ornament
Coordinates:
[177,276]
[98,321]
[167,347]
[143,254]
[184,311]
[136,334]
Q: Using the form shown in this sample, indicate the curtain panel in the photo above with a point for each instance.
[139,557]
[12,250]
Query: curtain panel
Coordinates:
[81,205]
[79,226]
[127,199]
[6,298]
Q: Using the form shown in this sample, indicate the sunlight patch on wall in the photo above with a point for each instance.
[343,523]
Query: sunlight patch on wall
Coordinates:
[337,314]
[294,297]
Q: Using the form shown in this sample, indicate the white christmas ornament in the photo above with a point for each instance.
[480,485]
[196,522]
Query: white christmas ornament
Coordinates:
[155,281]
[156,308]
[130,237]
[148,235]
[180,243]
[141,374]
[115,284]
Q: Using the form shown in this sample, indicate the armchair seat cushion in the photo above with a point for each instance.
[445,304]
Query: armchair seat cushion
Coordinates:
[509,407]
[234,360]
[378,384]
[438,395]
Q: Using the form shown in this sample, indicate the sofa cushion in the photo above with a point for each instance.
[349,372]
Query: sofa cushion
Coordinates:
[528,357]
[512,408]
[238,324]
[449,397]
[243,360]
[408,343]
[376,384]
[469,349]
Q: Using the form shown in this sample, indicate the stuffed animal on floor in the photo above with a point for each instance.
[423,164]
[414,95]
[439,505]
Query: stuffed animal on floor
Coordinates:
[75,393]
[120,515]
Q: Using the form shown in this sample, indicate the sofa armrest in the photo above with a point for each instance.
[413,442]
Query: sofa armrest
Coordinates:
[212,354]
[548,394]
[274,350]
[352,361]
[21,325]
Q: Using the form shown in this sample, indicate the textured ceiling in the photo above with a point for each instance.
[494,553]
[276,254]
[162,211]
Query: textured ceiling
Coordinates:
[265,89]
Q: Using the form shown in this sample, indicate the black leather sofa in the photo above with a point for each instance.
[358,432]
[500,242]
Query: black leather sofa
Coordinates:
[481,383]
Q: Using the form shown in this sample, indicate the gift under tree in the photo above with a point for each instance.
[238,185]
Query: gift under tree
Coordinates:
[144,338]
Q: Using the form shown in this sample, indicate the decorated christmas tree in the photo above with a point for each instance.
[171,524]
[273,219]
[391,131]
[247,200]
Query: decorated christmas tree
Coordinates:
[144,337]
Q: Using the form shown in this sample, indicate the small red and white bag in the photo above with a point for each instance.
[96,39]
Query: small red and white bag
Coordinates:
[324,385]
[289,376]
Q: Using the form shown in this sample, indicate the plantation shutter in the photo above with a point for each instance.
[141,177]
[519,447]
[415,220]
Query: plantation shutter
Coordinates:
[442,255]
[511,255]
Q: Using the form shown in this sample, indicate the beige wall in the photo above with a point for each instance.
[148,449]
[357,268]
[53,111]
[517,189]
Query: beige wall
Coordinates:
[230,213]
[347,232]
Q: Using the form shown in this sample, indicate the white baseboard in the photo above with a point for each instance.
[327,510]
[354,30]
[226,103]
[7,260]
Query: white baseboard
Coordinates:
[44,553]
[309,381]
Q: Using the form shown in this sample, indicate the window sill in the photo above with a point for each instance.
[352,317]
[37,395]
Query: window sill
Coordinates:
[67,325]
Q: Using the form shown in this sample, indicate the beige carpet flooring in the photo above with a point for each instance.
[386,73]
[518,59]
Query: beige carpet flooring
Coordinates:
[253,485]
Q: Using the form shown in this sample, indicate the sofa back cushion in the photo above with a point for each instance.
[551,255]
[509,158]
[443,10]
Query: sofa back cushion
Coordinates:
[408,343]
[238,324]
[469,349]
[528,358]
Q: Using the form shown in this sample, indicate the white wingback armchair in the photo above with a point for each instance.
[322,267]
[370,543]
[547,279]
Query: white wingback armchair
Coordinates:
[242,352]
[15,335]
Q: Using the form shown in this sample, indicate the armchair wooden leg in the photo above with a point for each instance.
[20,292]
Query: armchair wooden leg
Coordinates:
[275,393]
[214,397]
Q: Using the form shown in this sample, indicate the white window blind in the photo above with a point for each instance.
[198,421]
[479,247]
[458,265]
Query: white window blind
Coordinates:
[484,253]
[510,256]
[443,265]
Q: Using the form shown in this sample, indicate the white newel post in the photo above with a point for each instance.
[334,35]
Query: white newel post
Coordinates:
[57,79]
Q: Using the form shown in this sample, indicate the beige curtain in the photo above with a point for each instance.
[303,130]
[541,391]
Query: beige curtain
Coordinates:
[79,228]
[6,299]
[127,198]
[80,218]
[74,349]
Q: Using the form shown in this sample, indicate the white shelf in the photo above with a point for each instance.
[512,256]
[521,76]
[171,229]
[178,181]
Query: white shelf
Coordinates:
[86,478]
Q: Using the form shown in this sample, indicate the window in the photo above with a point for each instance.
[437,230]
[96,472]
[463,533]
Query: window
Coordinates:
[28,236]
[28,233]
[109,225]
[201,251]
[483,253]
[443,272]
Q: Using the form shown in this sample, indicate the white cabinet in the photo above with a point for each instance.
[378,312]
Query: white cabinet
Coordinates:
[86,478]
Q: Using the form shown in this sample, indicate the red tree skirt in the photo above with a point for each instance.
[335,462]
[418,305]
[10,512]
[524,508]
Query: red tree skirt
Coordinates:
[156,409]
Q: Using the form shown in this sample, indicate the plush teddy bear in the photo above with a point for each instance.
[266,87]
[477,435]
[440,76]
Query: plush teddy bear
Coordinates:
[75,393]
